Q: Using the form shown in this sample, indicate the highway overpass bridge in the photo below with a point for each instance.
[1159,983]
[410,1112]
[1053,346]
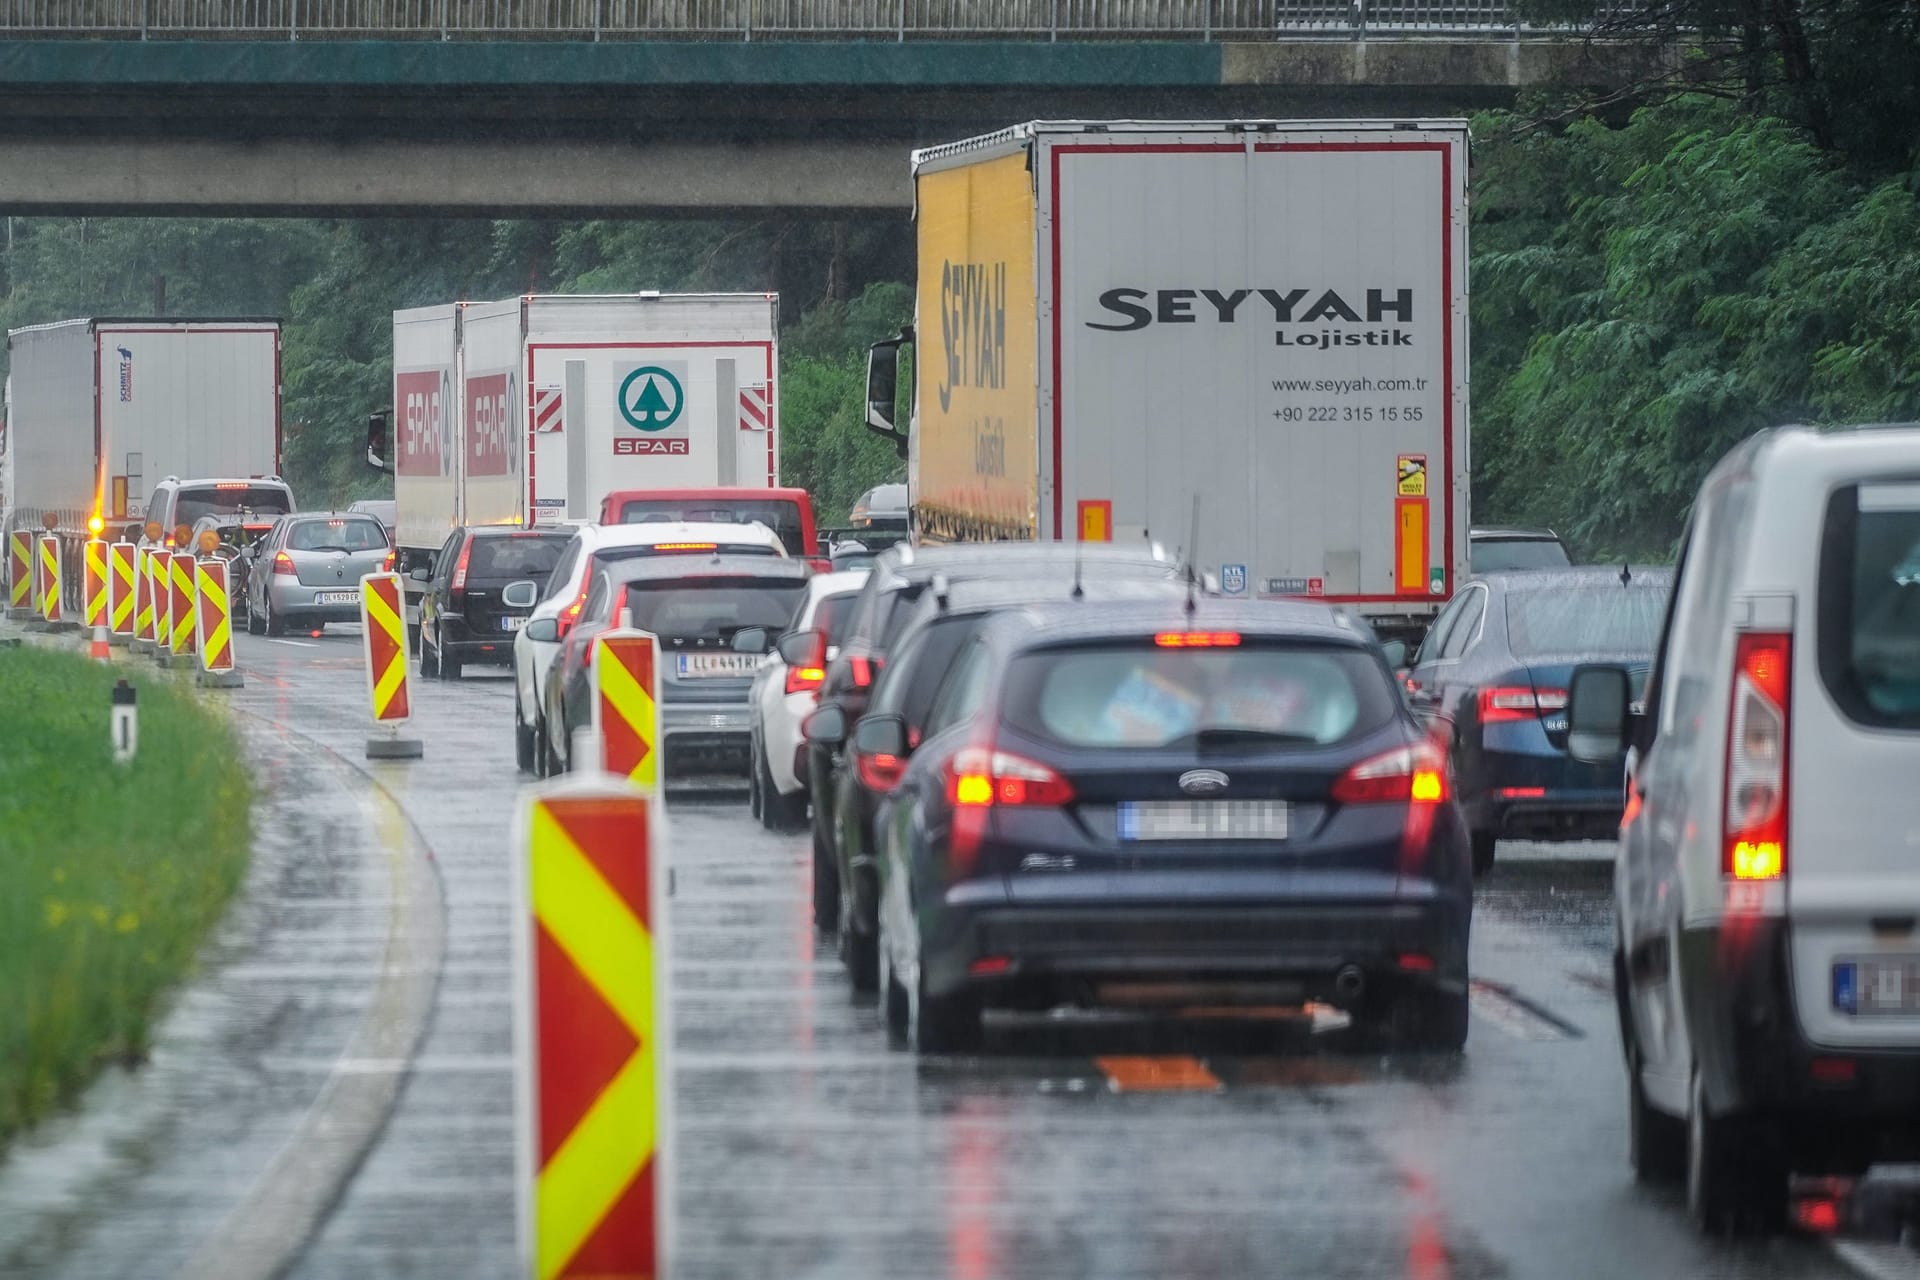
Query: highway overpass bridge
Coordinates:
[709,107]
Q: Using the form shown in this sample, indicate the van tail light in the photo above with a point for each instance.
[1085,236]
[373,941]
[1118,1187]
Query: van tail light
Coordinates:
[1757,735]
[460,569]
[805,679]
[283,563]
[979,778]
[1500,703]
[880,772]
[1415,774]
[864,670]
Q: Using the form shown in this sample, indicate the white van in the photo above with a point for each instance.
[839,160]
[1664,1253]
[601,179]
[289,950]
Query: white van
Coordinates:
[1768,882]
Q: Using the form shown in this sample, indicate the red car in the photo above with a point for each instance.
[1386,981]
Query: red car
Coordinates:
[788,512]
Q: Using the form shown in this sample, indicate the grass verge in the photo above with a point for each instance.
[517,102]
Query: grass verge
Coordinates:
[110,876]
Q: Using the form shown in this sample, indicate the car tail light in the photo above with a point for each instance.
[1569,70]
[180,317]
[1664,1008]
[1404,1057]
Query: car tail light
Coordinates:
[805,679]
[283,563]
[1519,702]
[460,569]
[564,620]
[1756,808]
[881,772]
[864,670]
[978,778]
[386,566]
[1414,774]
[1197,639]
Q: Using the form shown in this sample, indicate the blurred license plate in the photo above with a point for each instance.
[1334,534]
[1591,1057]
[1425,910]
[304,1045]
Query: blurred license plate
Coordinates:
[512,624]
[1879,984]
[336,597]
[695,665]
[1204,820]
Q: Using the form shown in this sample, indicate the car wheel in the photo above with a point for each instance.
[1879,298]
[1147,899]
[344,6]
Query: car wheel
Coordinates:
[542,748]
[1656,1143]
[429,659]
[860,952]
[413,637]
[522,739]
[248,616]
[1429,1021]
[756,788]
[893,996]
[942,1024]
[1736,1182]
[826,883]
[1483,842]
[448,668]
[273,623]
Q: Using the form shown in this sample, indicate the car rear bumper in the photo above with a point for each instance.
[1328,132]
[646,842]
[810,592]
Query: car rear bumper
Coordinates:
[1562,815]
[1049,945]
[298,604]
[1845,1106]
[707,737]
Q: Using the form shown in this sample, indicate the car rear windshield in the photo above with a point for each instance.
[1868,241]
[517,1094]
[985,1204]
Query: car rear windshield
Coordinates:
[1491,555]
[1869,606]
[1598,617]
[516,555]
[1147,697]
[782,515]
[230,500]
[712,609]
[355,533]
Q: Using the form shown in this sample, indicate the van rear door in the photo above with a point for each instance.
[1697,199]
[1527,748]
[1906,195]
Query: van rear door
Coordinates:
[1853,849]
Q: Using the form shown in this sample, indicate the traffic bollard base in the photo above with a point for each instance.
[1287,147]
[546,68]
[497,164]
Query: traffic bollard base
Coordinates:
[137,645]
[395,749]
[60,628]
[21,615]
[220,680]
[119,642]
[37,623]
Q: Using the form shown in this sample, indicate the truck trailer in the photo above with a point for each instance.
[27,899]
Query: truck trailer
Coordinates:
[102,412]
[530,410]
[1247,339]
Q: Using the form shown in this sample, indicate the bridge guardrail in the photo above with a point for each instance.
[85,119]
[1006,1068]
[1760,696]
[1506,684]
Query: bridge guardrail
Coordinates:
[745,20]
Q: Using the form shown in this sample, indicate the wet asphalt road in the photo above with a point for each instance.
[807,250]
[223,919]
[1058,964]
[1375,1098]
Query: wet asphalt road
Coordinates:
[1076,1147]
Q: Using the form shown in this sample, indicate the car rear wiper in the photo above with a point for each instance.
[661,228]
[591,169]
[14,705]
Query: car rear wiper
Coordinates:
[1225,737]
[342,550]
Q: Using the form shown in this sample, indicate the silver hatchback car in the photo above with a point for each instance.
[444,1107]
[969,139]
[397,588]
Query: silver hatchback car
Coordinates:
[306,572]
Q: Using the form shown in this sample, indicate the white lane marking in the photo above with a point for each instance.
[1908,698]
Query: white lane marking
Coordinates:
[1877,1261]
[486,1064]
[298,644]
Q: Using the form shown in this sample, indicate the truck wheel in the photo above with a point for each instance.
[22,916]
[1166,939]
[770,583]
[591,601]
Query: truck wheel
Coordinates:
[1736,1180]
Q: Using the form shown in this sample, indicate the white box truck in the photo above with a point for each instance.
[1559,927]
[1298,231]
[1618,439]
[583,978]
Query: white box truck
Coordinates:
[530,410]
[1253,330]
[102,412]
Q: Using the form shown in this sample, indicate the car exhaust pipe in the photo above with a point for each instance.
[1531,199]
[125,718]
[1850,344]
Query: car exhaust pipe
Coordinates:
[1349,984]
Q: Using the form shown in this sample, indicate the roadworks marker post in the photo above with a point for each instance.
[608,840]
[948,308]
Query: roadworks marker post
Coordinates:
[593,1030]
[213,623]
[120,593]
[625,715]
[160,583]
[180,610]
[383,640]
[52,606]
[20,575]
[142,601]
[93,596]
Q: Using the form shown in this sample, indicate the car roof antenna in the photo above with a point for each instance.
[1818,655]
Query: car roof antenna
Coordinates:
[1626,573]
[1193,543]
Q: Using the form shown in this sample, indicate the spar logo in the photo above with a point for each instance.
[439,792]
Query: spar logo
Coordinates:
[653,401]
[1291,311]
[493,425]
[126,375]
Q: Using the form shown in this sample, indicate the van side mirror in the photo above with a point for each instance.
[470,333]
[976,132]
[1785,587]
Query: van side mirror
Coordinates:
[523,594]
[883,384]
[750,640]
[377,441]
[803,649]
[881,736]
[1599,713]
[825,727]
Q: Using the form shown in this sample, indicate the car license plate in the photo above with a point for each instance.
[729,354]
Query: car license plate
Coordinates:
[1877,984]
[699,665]
[336,597]
[512,624]
[1204,820]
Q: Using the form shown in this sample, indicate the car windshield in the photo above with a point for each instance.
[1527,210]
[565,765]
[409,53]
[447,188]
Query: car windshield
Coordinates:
[1492,555]
[198,501]
[782,515]
[356,533]
[515,555]
[712,609]
[1599,617]
[1145,696]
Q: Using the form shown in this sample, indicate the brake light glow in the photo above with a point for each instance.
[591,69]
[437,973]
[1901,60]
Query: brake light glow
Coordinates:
[229,485]
[460,569]
[283,563]
[881,772]
[864,669]
[1519,702]
[981,779]
[1197,639]
[1755,846]
[386,566]
[1522,793]
[805,679]
[1415,774]
[680,547]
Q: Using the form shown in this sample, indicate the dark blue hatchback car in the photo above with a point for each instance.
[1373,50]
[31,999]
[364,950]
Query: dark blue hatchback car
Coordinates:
[1493,675]
[1153,800]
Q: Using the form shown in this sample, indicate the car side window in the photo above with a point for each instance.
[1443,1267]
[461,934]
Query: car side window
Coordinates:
[1436,637]
[596,605]
[562,570]
[449,551]
[1467,625]
[960,695]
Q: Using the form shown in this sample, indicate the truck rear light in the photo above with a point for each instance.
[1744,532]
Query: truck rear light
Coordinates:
[1500,703]
[460,569]
[880,772]
[978,778]
[282,563]
[805,679]
[1755,847]
[1414,774]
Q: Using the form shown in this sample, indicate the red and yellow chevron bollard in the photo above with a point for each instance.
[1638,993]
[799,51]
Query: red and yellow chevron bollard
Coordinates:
[49,585]
[383,634]
[120,591]
[20,597]
[151,610]
[93,597]
[593,1032]
[626,707]
[213,625]
[180,607]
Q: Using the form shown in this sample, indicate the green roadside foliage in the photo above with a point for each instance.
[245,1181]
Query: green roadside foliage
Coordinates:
[113,875]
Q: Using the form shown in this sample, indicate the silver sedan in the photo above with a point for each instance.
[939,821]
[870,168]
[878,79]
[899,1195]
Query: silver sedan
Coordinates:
[307,572]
